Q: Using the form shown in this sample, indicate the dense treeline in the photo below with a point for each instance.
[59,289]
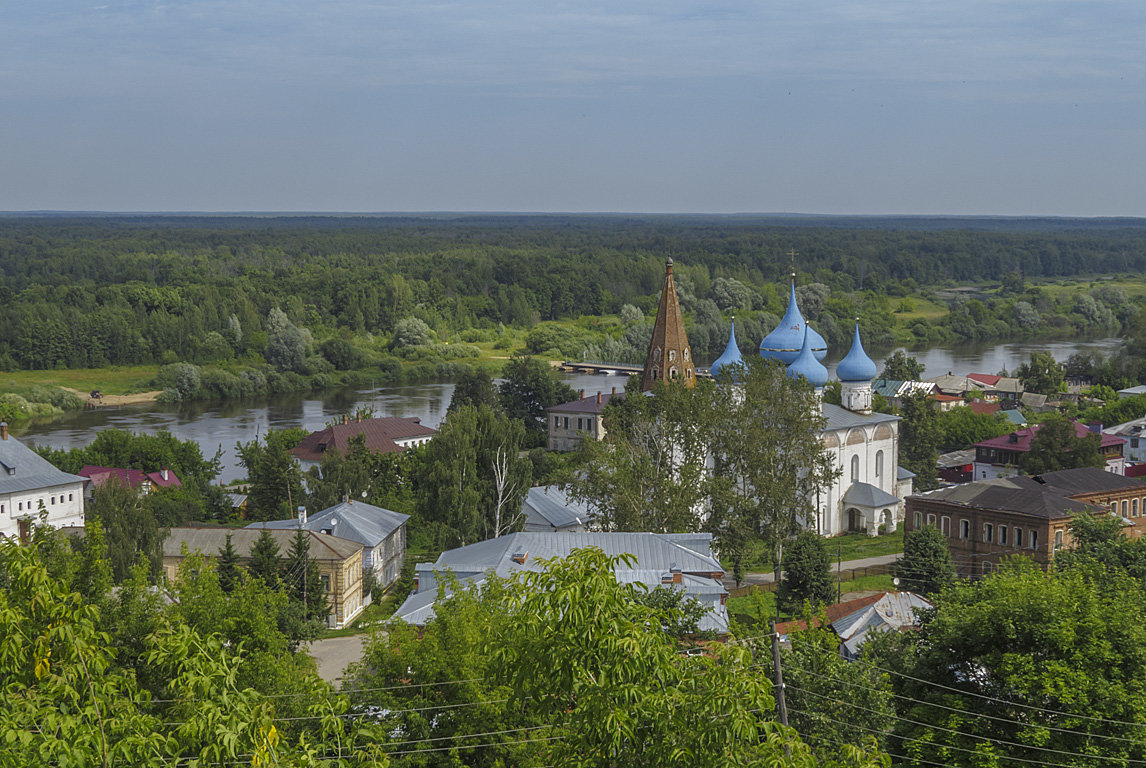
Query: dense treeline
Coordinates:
[90,292]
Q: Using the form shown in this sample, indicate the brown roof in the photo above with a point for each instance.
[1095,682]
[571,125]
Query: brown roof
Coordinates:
[668,336]
[592,404]
[209,541]
[832,612]
[985,408]
[380,435]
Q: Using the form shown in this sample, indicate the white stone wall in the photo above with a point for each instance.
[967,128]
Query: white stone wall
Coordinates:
[834,515]
[64,505]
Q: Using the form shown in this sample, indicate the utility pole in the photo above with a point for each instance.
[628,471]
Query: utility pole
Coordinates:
[781,705]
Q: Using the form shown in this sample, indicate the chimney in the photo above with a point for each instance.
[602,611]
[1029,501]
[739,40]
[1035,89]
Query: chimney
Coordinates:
[598,398]
[520,557]
[614,391]
[677,576]
[3,430]
[345,498]
[301,516]
[345,418]
[358,417]
[581,395]
[163,473]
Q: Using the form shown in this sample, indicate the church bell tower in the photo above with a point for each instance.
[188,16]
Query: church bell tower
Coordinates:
[669,357]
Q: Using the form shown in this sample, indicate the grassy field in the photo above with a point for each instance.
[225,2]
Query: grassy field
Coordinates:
[850,546]
[375,612]
[119,380]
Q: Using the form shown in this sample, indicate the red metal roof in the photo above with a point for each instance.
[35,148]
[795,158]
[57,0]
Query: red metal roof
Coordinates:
[984,408]
[132,478]
[380,434]
[832,612]
[942,398]
[1025,435]
[985,378]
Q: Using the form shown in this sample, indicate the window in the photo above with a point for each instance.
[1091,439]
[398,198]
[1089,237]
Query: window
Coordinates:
[987,568]
[1003,535]
[988,533]
[566,422]
[687,353]
[656,355]
[1058,539]
[53,501]
[931,519]
[1019,538]
[672,355]
[69,497]
[964,529]
[879,463]
[946,525]
[556,422]
[1133,442]
[21,506]
[579,425]
[326,582]
[1125,507]
[1134,507]
[1034,539]
[855,468]
[918,521]
[672,372]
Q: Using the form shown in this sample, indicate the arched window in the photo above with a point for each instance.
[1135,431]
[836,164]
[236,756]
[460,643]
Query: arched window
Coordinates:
[687,353]
[855,469]
[879,463]
[657,355]
[656,372]
[672,355]
[1058,539]
[672,372]
[987,568]
[1134,507]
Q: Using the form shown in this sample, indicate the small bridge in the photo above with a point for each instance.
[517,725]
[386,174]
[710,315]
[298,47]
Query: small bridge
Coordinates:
[613,369]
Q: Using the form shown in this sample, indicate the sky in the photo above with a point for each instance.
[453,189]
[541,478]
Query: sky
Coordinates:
[1018,107]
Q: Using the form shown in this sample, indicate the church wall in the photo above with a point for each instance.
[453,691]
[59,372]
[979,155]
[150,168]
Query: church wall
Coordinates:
[832,510]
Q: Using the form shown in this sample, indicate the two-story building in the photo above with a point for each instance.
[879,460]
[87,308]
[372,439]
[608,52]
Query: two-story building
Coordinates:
[1000,456]
[30,486]
[381,435]
[570,423]
[339,561]
[987,520]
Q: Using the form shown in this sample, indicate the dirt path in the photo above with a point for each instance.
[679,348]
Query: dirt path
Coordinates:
[335,653]
[108,400]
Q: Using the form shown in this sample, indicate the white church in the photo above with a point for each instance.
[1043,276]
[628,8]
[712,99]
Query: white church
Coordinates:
[871,487]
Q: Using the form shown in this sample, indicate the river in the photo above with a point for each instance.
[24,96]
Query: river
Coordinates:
[220,426]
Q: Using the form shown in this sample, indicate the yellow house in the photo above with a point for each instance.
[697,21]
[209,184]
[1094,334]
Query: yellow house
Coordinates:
[339,561]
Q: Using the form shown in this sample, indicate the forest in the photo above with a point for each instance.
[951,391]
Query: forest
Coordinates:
[241,306]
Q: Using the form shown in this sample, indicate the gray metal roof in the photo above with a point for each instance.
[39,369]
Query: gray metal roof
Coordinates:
[867,495]
[209,541]
[838,417]
[893,611]
[656,555]
[22,469]
[549,506]
[1087,480]
[902,473]
[352,520]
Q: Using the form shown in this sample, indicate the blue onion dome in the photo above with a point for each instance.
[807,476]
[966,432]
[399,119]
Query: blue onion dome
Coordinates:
[808,366]
[784,342]
[856,366]
[731,355]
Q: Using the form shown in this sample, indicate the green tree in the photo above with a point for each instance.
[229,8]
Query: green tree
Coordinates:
[93,574]
[529,386]
[411,332]
[384,478]
[131,530]
[926,566]
[807,573]
[473,478]
[1041,374]
[302,579]
[474,387]
[961,427]
[227,566]
[919,438]
[265,559]
[901,366]
[286,345]
[274,476]
[771,463]
[1024,665]
[1056,445]
[619,686]
[650,472]
[830,699]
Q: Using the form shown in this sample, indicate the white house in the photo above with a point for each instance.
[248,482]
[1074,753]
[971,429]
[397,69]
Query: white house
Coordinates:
[1132,433]
[30,485]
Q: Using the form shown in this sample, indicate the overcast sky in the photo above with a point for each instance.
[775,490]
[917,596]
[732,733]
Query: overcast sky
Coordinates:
[891,106]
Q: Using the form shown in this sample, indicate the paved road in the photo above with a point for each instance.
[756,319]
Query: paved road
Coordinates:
[769,577]
[335,653]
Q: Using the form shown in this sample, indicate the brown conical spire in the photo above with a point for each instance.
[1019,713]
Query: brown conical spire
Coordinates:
[669,357]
